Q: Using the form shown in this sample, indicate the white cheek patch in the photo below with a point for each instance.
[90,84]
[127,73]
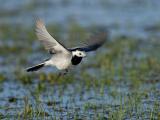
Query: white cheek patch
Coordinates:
[78,53]
[75,53]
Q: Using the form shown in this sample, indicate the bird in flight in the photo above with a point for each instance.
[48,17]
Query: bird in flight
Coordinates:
[63,58]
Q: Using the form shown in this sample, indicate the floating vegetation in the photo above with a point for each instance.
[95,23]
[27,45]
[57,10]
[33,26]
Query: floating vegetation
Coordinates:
[120,81]
[2,77]
[110,85]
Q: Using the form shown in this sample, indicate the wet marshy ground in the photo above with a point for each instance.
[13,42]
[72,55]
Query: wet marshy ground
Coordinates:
[120,80]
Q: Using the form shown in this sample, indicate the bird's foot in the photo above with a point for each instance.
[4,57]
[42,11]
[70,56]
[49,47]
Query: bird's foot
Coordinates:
[61,74]
[65,72]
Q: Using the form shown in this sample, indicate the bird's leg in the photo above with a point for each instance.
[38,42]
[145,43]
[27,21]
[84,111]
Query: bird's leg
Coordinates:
[62,73]
[65,72]
[59,75]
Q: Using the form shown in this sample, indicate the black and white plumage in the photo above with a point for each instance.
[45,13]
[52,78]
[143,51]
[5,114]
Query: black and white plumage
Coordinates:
[62,57]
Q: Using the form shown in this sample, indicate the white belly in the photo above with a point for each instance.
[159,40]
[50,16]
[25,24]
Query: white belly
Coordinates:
[61,62]
[61,65]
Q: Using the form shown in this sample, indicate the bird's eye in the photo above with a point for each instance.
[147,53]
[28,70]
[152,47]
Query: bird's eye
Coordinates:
[80,54]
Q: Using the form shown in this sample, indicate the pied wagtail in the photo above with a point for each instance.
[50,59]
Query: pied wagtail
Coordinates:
[62,57]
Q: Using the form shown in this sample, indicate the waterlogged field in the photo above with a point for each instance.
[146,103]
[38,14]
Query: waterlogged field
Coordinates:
[119,81]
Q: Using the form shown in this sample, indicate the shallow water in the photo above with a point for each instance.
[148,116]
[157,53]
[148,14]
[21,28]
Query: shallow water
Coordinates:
[87,92]
[120,80]
[55,102]
[128,17]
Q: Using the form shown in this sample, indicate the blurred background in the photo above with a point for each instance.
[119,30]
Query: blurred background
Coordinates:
[120,80]
[131,17]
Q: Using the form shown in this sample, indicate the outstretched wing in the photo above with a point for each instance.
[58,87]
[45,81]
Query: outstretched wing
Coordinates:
[47,40]
[94,43]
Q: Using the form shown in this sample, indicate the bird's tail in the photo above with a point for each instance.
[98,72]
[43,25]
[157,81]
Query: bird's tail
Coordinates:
[36,67]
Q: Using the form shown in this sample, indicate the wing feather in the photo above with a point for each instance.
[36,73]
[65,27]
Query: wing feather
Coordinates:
[47,40]
[93,43]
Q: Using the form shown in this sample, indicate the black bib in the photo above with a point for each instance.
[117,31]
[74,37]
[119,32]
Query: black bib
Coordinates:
[76,60]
